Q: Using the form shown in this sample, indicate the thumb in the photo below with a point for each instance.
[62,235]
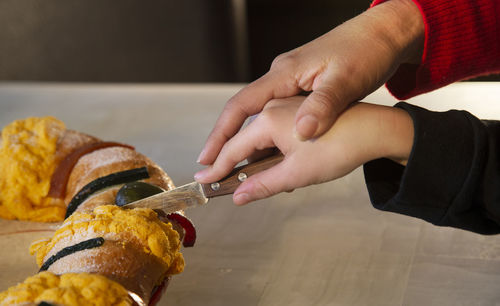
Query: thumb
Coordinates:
[319,110]
[265,184]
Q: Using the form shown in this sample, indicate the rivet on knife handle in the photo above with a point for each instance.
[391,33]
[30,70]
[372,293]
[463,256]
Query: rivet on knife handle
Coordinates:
[239,174]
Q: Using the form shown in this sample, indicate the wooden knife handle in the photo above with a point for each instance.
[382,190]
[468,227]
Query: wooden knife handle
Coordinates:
[229,184]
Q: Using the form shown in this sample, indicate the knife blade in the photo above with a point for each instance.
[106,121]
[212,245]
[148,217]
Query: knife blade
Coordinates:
[195,194]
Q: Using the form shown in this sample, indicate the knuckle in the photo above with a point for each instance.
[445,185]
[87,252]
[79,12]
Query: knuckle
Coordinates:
[273,103]
[218,135]
[262,190]
[221,134]
[346,65]
[263,120]
[226,161]
[236,108]
[267,113]
[322,102]
[268,117]
[284,61]
[231,105]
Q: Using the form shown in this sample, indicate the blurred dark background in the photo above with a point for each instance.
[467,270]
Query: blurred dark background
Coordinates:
[157,41]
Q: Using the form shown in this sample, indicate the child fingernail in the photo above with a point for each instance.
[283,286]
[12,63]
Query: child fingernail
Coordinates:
[199,175]
[241,198]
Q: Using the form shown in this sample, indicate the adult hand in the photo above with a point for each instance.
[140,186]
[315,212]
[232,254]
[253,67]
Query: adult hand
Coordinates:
[362,132]
[340,67]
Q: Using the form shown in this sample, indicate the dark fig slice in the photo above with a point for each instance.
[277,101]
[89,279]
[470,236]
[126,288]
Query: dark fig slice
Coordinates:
[134,191]
[116,178]
[187,225]
[84,245]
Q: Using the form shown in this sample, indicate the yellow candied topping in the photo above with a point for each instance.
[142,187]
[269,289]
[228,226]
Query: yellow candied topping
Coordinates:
[157,237]
[67,289]
[27,160]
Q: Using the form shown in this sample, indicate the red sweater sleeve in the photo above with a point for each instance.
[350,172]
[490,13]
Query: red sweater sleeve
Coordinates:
[462,40]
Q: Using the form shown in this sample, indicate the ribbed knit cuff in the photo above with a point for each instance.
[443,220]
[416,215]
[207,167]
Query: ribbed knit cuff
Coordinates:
[461,41]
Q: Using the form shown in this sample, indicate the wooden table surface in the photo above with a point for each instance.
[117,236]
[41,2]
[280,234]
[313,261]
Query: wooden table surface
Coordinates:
[322,245]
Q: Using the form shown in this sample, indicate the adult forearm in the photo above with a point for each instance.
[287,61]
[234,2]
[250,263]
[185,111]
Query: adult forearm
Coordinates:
[460,41]
[400,25]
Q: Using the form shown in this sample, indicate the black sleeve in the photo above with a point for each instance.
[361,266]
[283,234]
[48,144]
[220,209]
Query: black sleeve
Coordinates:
[453,174]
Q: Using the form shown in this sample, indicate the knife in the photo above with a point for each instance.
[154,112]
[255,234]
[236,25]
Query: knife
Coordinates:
[196,194]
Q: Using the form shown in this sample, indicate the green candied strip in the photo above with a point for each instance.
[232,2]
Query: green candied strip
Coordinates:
[116,178]
[135,191]
[84,245]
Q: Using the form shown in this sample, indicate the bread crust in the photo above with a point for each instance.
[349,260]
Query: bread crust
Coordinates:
[103,162]
[70,141]
[121,258]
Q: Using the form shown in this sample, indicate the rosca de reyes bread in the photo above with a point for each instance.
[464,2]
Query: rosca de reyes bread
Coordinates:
[54,174]
[45,166]
[130,246]
[46,288]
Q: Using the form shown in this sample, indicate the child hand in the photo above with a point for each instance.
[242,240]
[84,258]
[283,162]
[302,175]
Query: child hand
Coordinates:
[362,133]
